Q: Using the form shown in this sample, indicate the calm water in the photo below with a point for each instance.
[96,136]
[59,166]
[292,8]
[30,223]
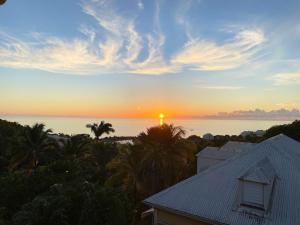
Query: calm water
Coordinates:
[132,127]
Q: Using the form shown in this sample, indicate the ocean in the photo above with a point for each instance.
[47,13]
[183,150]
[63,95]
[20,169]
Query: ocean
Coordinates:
[132,127]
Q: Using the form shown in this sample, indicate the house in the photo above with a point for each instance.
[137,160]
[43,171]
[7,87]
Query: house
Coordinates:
[208,137]
[247,133]
[210,156]
[255,187]
[258,133]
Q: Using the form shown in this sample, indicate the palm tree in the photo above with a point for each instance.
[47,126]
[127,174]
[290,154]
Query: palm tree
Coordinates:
[2,2]
[35,142]
[125,168]
[159,158]
[99,129]
[166,156]
[74,146]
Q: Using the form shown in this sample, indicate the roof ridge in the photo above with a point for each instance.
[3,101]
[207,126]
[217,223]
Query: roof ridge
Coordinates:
[210,169]
[288,155]
[224,163]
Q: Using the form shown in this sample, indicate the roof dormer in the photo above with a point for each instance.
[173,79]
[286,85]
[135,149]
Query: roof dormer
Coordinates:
[256,188]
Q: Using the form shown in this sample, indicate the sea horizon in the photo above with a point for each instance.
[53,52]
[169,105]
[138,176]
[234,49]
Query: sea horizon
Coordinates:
[134,126]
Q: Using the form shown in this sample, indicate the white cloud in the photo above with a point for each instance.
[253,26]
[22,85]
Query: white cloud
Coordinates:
[90,33]
[49,54]
[114,45]
[286,78]
[134,45]
[289,105]
[140,5]
[280,114]
[155,63]
[208,55]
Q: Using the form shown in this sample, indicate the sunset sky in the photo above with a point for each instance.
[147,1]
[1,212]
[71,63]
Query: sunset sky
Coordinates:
[139,58]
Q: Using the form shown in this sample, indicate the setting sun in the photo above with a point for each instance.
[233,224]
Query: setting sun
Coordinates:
[161,116]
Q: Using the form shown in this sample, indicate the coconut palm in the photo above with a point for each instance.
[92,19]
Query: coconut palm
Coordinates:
[166,156]
[99,129]
[159,158]
[74,146]
[125,168]
[2,2]
[35,142]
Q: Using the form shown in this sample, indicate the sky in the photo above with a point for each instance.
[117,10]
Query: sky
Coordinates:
[139,58]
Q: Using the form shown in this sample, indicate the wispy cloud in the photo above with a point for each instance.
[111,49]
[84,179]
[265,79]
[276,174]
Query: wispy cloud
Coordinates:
[286,78]
[280,114]
[49,54]
[115,45]
[207,55]
[140,5]
[289,105]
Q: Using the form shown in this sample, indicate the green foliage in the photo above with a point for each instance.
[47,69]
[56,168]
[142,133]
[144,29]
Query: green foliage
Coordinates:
[81,203]
[75,180]
[33,147]
[292,130]
[157,159]
[100,129]
[44,180]
[10,133]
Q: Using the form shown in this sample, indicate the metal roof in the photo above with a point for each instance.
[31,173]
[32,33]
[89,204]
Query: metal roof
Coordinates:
[212,194]
[224,152]
[235,146]
[262,172]
[214,153]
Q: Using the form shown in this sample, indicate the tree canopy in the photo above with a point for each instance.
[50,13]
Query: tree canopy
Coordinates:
[76,180]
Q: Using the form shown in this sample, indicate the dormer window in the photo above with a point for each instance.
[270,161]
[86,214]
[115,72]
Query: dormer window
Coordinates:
[256,187]
[253,195]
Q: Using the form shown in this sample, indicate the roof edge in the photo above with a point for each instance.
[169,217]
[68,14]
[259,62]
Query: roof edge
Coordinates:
[181,213]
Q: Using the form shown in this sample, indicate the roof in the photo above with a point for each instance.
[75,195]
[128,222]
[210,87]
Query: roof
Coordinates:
[207,149]
[235,146]
[262,172]
[214,153]
[211,195]
[225,151]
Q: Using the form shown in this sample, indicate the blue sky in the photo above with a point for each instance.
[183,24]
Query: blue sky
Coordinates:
[138,58]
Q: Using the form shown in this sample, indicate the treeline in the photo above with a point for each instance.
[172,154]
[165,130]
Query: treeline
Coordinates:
[292,130]
[79,180]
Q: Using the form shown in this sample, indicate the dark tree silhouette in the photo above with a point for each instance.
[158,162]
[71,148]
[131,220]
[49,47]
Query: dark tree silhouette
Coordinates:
[99,129]
[159,158]
[35,143]
[2,2]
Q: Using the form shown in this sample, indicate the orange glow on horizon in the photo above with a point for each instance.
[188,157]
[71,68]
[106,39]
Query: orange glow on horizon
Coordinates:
[94,111]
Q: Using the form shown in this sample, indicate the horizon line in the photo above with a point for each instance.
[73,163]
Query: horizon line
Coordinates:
[206,117]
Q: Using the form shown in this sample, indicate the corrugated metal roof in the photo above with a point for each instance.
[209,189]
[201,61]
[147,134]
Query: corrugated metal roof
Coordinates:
[207,149]
[214,153]
[212,193]
[235,146]
[226,151]
[262,172]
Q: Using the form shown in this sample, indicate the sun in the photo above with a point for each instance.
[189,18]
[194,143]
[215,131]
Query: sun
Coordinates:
[161,116]
[161,119]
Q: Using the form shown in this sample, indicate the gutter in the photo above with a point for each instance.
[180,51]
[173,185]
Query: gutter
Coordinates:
[188,215]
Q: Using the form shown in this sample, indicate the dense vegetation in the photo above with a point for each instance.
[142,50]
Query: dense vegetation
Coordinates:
[78,180]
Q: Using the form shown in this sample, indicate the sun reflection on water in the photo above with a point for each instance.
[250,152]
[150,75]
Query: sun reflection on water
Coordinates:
[161,119]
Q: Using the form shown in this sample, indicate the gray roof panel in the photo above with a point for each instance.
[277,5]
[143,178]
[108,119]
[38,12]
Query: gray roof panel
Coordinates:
[212,193]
